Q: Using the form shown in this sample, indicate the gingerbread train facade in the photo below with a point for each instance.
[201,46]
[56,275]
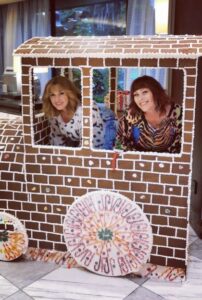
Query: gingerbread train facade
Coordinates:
[40,182]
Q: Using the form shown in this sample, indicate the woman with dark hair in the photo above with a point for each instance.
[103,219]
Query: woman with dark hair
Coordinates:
[153,121]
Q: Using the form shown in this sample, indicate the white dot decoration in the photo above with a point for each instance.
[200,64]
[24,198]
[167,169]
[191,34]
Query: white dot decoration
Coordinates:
[170,189]
[181,167]
[34,189]
[18,148]
[91,163]
[12,139]
[48,190]
[59,159]
[89,181]
[69,180]
[43,158]
[86,142]
[108,163]
[58,209]
[134,175]
[86,121]
[161,165]
[142,197]
[142,164]
[167,211]
[112,230]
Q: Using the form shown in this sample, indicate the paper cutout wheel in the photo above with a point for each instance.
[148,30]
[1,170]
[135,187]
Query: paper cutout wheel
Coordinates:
[108,233]
[13,237]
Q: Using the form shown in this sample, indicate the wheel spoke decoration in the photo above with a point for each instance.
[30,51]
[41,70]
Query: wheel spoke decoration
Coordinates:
[108,234]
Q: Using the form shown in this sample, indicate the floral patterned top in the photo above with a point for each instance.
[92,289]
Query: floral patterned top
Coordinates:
[136,134]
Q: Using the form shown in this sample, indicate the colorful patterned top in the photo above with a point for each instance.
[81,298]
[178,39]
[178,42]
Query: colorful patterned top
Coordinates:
[136,134]
[66,134]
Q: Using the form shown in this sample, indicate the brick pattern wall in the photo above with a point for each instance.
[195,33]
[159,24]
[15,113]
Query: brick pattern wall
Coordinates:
[39,183]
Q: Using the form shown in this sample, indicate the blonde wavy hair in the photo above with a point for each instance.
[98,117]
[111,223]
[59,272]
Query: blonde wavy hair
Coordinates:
[70,90]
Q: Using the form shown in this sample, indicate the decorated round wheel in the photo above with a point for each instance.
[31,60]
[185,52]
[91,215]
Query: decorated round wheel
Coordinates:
[108,233]
[13,237]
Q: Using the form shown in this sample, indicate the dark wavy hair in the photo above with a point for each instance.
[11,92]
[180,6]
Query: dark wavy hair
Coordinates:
[70,90]
[161,99]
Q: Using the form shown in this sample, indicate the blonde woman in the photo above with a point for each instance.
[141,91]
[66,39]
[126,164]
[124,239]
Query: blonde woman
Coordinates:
[61,105]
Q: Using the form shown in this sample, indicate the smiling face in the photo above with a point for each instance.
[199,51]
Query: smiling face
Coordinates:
[144,99]
[58,97]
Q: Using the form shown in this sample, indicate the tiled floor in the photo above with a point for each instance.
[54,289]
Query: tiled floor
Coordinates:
[25,280]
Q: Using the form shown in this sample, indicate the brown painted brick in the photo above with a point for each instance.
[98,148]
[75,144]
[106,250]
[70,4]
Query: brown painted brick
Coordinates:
[158,260]
[182,233]
[112,62]
[67,200]
[142,198]
[161,167]
[91,162]
[20,196]
[150,177]
[61,61]
[187,62]
[96,62]
[132,175]
[121,185]
[46,227]
[168,210]
[159,240]
[161,220]
[65,170]
[144,166]
[45,61]
[78,192]
[88,182]
[173,190]
[48,169]
[129,62]
[33,168]
[33,243]
[180,253]
[45,245]
[151,209]
[52,199]
[14,205]
[169,179]
[32,225]
[176,263]
[81,172]
[125,164]
[178,201]
[99,173]
[79,61]
[38,217]
[138,187]
[39,235]
[178,222]
[155,188]
[115,174]
[167,231]
[105,184]
[29,206]
[40,179]
[54,218]
[60,247]
[167,62]
[180,168]
[54,237]
[165,251]
[22,215]
[62,190]
[147,62]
